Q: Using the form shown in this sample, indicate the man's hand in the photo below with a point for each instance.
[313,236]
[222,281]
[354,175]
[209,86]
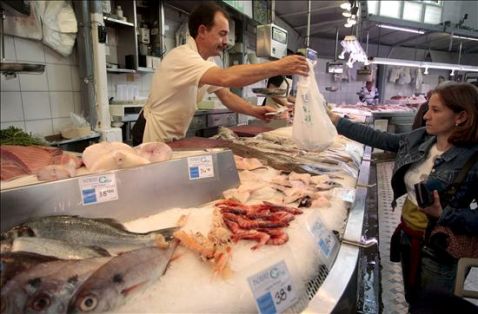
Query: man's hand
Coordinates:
[260,112]
[294,64]
[435,209]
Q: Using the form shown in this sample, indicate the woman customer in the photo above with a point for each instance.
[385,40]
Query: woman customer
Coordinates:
[434,154]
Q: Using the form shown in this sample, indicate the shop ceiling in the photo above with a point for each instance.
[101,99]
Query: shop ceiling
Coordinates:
[326,19]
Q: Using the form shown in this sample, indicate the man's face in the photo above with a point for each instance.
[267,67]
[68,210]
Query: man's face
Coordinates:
[215,39]
[369,85]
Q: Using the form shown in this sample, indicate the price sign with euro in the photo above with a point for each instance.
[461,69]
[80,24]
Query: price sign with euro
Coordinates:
[273,289]
[98,189]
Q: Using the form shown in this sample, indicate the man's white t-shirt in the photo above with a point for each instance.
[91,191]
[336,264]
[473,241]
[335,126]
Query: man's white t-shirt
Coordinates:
[175,93]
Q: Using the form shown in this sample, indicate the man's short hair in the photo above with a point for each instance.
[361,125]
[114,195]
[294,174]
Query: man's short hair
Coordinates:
[204,14]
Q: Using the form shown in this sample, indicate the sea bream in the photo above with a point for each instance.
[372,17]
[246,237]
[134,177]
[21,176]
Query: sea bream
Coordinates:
[110,285]
[104,233]
[13,263]
[47,287]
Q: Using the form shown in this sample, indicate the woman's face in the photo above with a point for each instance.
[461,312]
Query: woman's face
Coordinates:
[440,120]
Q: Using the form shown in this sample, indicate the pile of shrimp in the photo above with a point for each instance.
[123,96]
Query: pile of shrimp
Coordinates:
[263,223]
[215,248]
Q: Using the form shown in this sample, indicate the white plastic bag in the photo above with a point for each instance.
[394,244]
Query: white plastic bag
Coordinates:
[312,129]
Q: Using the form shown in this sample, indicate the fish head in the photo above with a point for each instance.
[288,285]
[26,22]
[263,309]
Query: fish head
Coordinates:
[18,231]
[51,297]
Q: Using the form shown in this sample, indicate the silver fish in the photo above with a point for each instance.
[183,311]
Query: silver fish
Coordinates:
[56,248]
[104,233]
[47,287]
[111,284]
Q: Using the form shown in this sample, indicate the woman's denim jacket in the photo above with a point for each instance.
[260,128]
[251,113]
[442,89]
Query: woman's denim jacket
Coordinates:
[412,148]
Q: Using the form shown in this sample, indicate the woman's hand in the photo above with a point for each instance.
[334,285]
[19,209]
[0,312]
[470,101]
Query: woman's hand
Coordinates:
[435,209]
[333,117]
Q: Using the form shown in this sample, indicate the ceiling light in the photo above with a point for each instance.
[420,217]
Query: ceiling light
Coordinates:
[355,50]
[345,6]
[426,71]
[348,25]
[465,37]
[403,29]
[452,73]
[351,21]
[346,14]
[424,64]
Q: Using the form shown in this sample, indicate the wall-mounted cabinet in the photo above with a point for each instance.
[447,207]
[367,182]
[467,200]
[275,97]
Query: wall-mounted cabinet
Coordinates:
[120,22]
[134,41]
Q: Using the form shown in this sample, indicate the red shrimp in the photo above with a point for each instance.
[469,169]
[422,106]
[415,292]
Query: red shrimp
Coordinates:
[276,207]
[278,240]
[261,237]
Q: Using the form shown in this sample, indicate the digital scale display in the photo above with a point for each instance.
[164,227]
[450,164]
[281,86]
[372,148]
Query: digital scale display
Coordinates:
[279,35]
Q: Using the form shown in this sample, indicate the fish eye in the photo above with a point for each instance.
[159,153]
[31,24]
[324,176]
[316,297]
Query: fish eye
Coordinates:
[40,302]
[88,303]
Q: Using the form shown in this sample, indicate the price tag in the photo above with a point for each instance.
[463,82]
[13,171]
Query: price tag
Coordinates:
[200,167]
[273,289]
[325,239]
[98,189]
[347,195]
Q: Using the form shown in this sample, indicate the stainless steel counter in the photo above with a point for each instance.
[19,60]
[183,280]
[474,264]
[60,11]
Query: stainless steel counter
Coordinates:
[339,277]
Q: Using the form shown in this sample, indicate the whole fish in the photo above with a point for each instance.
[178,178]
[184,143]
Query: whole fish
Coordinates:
[104,233]
[48,287]
[56,248]
[112,283]
[13,263]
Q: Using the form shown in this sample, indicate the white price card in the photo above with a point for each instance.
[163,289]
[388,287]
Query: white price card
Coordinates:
[98,189]
[347,195]
[273,289]
[200,167]
[325,239]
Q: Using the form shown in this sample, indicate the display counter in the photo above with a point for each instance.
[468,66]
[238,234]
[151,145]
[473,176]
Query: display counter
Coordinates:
[171,184]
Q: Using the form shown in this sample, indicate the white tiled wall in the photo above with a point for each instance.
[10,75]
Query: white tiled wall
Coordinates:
[141,80]
[40,103]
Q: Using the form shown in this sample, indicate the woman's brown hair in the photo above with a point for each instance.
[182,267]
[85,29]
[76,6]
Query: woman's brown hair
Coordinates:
[461,97]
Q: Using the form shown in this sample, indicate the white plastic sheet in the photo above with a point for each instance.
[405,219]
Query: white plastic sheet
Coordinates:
[312,129]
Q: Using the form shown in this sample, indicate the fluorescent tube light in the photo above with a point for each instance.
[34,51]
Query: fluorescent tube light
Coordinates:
[399,62]
[403,29]
[423,64]
[465,37]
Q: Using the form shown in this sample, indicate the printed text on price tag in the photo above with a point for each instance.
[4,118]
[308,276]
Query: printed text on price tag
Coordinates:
[98,189]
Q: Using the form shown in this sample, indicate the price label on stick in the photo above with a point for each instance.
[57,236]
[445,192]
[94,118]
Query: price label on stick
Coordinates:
[273,289]
[98,189]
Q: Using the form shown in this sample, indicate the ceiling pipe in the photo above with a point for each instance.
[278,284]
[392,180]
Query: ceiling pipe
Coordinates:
[273,9]
[336,42]
[307,38]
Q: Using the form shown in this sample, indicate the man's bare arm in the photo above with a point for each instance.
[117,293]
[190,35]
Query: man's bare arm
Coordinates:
[246,74]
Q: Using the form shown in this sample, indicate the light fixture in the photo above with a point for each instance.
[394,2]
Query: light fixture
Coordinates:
[424,64]
[347,25]
[346,6]
[452,73]
[351,21]
[403,29]
[346,14]
[355,50]
[465,37]
[426,71]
